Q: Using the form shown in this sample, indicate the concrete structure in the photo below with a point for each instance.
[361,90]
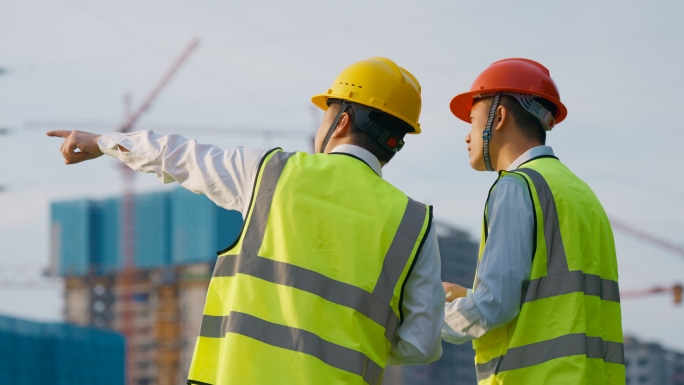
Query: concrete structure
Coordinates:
[193,286]
[176,237]
[651,364]
[166,315]
[456,367]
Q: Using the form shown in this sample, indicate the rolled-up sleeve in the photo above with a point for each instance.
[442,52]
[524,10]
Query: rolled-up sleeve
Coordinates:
[504,267]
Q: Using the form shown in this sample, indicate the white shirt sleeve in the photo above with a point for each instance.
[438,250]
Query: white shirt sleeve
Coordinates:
[503,270]
[418,337]
[224,176]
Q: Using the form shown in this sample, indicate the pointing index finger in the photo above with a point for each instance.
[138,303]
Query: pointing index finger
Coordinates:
[59,133]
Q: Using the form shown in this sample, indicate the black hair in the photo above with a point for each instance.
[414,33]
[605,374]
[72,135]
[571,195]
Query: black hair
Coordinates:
[527,123]
[386,121]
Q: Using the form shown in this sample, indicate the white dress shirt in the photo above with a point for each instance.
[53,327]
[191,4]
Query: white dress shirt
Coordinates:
[506,260]
[227,178]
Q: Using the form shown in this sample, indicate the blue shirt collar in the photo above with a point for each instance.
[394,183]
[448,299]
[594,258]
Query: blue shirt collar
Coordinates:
[532,153]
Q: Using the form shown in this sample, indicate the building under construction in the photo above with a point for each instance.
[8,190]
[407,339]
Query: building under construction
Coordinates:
[158,304]
[177,234]
[649,363]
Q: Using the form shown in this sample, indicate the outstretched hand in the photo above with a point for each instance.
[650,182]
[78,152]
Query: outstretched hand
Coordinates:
[85,142]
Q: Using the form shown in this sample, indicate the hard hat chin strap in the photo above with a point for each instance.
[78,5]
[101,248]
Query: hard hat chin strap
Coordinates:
[487,133]
[333,126]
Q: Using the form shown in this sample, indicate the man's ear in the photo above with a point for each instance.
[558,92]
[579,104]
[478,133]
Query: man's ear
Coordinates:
[500,118]
[343,126]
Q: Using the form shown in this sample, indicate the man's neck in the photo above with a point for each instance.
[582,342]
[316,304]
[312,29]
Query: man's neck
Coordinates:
[512,151]
[362,154]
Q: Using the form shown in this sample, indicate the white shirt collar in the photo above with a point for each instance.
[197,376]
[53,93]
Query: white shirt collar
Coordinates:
[362,154]
[533,152]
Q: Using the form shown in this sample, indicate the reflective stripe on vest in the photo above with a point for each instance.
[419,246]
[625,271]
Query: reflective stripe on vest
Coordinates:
[540,352]
[558,281]
[293,339]
[375,306]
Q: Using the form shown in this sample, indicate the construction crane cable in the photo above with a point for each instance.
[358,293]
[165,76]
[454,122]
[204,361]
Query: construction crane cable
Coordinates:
[145,105]
[655,240]
[217,130]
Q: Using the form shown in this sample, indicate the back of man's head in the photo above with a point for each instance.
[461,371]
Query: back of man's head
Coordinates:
[384,121]
[528,124]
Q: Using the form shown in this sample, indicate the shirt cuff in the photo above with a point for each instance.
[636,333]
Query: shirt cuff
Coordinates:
[137,143]
[109,143]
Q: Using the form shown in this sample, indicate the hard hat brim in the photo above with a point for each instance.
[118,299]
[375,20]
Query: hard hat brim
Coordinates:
[461,104]
[320,101]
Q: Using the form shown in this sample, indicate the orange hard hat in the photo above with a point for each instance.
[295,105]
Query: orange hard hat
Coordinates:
[511,75]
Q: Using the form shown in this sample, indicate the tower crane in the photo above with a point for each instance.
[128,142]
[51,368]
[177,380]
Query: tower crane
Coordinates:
[127,278]
[675,290]
[128,275]
[650,238]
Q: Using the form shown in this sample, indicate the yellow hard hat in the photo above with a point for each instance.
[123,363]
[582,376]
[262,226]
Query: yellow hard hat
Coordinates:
[380,83]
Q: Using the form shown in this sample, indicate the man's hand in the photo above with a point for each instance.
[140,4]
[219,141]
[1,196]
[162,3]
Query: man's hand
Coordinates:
[454,291]
[84,141]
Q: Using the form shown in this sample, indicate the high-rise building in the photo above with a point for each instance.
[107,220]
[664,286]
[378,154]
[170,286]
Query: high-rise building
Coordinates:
[456,366]
[177,235]
[675,367]
[648,363]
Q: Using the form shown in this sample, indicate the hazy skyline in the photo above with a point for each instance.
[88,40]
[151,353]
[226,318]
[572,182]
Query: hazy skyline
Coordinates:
[618,65]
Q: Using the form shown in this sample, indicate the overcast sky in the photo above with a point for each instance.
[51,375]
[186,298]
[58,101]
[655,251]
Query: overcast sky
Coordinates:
[618,65]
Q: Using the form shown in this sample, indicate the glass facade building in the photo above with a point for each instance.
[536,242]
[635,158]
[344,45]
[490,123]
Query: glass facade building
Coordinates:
[59,354]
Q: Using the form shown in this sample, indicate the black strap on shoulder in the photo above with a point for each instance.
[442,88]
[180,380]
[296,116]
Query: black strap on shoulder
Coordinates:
[193,382]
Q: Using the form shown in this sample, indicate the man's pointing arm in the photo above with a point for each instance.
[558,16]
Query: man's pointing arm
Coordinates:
[226,176]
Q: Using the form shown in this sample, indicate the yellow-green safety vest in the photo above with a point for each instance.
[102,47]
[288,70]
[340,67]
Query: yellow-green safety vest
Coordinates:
[569,328]
[311,292]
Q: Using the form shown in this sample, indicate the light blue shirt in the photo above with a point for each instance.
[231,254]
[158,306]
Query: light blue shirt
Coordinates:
[506,260]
